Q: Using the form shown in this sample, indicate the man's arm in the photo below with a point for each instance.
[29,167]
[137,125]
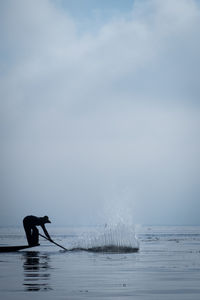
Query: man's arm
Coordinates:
[45,231]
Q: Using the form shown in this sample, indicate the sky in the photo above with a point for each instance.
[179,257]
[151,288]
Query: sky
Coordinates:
[99,111]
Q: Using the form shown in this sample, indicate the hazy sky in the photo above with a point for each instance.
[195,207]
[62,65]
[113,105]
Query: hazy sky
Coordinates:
[100,111]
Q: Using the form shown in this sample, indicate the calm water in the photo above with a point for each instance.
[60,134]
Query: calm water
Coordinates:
[166,267]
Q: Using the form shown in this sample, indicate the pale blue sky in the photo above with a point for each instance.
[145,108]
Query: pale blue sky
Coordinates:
[100,111]
[86,8]
[89,15]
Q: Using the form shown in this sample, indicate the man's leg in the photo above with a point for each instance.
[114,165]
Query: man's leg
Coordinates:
[27,229]
[35,236]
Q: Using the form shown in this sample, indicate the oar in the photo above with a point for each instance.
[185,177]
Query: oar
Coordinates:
[53,242]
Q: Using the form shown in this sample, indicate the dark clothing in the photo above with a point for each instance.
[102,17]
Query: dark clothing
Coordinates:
[32,233]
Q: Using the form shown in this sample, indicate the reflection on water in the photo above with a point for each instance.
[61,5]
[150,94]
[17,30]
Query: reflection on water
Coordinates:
[36,271]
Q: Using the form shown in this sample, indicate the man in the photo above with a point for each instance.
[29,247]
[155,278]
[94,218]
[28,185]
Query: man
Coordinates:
[32,233]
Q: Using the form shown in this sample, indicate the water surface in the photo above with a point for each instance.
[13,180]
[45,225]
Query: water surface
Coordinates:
[167,266]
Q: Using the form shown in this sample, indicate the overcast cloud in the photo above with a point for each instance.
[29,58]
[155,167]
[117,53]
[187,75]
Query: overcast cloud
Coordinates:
[100,120]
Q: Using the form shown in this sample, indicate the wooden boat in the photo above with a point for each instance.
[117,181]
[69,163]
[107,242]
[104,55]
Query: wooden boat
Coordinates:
[14,248]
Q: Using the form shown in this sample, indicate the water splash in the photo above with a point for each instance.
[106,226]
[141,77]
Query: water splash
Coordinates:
[112,238]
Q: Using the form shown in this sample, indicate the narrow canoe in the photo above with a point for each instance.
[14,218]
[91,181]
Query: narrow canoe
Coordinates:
[14,248]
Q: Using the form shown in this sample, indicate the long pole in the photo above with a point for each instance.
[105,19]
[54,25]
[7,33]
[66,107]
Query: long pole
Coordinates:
[53,242]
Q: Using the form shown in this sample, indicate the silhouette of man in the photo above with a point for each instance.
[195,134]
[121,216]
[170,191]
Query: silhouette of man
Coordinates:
[32,233]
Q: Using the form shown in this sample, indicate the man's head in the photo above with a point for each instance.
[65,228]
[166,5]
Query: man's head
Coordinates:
[46,219]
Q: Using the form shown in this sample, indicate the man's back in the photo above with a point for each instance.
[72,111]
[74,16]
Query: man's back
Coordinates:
[33,221]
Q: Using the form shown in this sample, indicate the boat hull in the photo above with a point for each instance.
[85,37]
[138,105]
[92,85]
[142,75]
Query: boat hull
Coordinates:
[14,248]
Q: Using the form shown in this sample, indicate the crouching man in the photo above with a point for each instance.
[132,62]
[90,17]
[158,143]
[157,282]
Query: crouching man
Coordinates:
[32,233]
